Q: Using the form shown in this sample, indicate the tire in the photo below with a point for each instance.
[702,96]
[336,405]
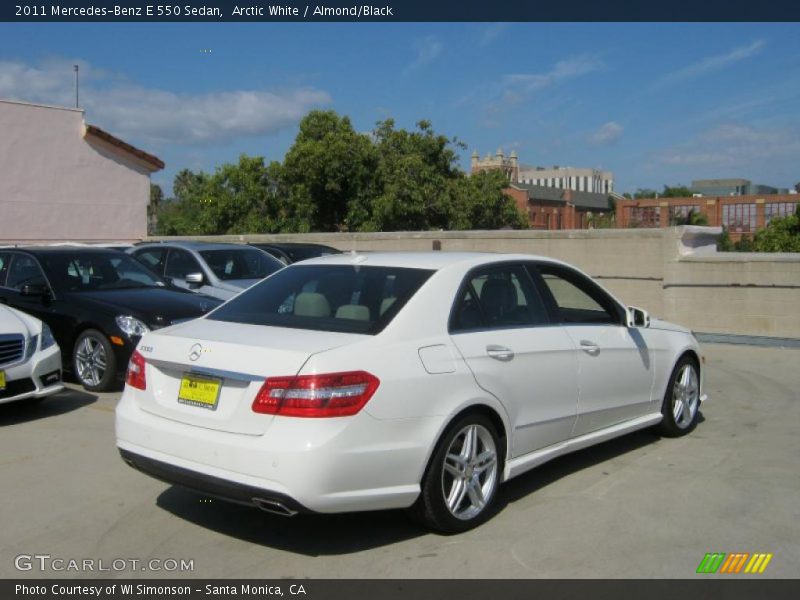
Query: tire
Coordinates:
[93,361]
[681,405]
[460,484]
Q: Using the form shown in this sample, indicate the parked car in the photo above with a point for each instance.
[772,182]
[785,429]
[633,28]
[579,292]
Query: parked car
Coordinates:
[292,252]
[30,361]
[219,270]
[97,302]
[422,380]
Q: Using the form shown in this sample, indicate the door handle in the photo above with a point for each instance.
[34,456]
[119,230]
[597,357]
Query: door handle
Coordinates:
[499,352]
[590,347]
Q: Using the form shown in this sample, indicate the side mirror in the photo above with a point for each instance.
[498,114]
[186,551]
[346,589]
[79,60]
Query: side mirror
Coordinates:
[638,317]
[37,290]
[194,279]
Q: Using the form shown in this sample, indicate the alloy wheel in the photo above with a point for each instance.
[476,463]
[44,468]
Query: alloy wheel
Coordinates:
[90,361]
[685,396]
[469,476]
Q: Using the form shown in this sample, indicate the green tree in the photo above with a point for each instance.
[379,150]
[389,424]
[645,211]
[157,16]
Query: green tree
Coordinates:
[479,202]
[415,179]
[328,173]
[643,193]
[678,191]
[780,235]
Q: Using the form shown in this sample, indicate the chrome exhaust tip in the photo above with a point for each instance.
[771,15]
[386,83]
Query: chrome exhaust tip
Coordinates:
[274,507]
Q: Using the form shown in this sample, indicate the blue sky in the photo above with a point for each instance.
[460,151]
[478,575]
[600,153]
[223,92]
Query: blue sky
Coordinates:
[656,103]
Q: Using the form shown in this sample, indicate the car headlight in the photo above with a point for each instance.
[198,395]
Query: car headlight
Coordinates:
[47,338]
[131,326]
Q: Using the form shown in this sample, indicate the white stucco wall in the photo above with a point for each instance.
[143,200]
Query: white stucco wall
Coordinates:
[56,185]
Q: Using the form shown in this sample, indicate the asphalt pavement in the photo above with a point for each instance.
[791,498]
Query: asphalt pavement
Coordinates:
[636,507]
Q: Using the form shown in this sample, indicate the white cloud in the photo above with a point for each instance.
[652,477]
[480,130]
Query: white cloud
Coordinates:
[154,115]
[563,70]
[491,33]
[427,50]
[737,146]
[607,134]
[712,63]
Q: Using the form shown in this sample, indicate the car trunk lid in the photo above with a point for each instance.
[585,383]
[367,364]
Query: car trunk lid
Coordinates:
[207,373]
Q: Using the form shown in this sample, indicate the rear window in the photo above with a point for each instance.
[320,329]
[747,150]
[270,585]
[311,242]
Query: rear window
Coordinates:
[339,298]
[240,263]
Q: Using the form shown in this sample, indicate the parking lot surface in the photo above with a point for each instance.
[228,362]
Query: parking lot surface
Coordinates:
[639,506]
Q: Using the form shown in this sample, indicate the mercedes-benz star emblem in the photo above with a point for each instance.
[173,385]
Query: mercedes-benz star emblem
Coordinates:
[195,351]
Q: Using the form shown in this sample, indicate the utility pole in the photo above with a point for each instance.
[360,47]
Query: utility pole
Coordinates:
[76,87]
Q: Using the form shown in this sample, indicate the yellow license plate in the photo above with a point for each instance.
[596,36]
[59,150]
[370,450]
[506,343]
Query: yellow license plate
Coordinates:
[2,380]
[199,390]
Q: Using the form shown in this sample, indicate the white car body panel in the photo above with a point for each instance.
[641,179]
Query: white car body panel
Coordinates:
[550,399]
[34,362]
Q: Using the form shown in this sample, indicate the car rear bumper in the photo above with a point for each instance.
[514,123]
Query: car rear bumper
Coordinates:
[307,465]
[223,489]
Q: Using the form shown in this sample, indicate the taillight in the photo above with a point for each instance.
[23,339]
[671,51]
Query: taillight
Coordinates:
[135,376]
[327,395]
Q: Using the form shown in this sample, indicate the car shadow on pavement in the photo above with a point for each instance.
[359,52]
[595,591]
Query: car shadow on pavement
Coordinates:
[323,535]
[550,472]
[50,406]
[308,534]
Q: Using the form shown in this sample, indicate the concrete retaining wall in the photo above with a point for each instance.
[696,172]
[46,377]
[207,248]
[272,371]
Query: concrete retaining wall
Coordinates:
[674,273]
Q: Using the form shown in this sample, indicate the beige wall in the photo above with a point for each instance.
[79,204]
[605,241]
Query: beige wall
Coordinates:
[56,185]
[673,273]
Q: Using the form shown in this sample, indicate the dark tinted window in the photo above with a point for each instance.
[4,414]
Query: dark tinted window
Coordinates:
[24,270]
[180,263]
[341,298]
[152,258]
[5,260]
[496,298]
[85,271]
[577,298]
[240,263]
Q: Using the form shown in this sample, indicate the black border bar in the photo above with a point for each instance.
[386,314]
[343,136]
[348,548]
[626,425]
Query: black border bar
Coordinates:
[399,11]
[709,587]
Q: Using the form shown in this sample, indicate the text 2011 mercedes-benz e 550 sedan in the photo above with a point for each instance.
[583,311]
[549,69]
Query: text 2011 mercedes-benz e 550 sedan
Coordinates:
[422,380]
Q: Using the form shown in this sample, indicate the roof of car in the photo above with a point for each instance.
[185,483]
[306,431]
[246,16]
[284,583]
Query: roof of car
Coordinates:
[64,249]
[420,260]
[189,245]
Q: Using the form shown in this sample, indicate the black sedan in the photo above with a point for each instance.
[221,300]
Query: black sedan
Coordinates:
[292,252]
[97,302]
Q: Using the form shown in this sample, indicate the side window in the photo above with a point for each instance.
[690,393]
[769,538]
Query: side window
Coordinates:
[5,259]
[180,263]
[152,258]
[496,298]
[578,299]
[24,270]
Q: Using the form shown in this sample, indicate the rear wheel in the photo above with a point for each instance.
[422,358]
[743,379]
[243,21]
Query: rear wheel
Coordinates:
[682,400]
[460,484]
[93,361]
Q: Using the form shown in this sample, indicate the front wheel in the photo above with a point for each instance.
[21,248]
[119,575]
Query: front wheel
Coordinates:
[682,400]
[460,484]
[94,362]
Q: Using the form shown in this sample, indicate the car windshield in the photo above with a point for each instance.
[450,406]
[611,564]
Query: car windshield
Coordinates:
[240,263]
[86,271]
[339,298]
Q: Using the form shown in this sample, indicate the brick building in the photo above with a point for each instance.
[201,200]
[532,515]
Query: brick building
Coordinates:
[565,178]
[741,215]
[553,208]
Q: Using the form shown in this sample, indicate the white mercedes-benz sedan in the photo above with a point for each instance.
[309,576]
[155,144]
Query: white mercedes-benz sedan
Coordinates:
[389,380]
[30,360]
